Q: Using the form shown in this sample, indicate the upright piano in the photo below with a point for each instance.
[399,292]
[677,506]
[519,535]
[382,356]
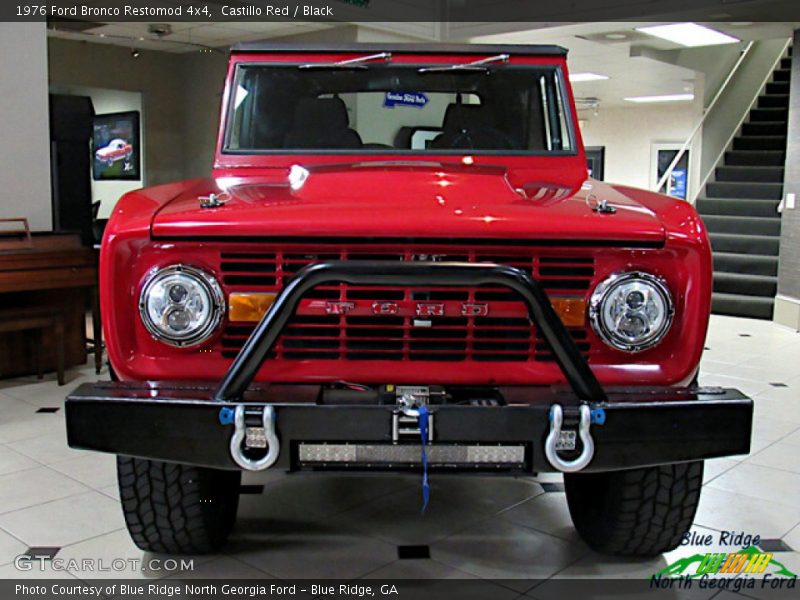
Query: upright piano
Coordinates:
[49,270]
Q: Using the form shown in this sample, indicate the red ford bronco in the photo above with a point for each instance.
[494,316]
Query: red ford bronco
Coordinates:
[399,262]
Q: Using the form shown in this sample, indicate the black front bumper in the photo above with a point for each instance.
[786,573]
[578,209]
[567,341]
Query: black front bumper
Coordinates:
[187,424]
[181,423]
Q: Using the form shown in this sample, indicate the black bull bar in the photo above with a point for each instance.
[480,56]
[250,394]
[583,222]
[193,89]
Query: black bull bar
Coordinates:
[582,428]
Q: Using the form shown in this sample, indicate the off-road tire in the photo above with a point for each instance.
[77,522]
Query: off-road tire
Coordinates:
[638,512]
[177,509]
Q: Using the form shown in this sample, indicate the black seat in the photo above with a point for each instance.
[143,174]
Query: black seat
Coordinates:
[402,139]
[467,126]
[322,123]
[272,121]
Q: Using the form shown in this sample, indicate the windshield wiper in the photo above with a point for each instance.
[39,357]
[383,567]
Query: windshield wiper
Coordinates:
[351,63]
[478,65]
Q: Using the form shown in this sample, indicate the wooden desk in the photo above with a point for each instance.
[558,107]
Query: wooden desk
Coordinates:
[55,271]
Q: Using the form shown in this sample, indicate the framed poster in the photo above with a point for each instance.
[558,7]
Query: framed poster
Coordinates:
[596,159]
[662,155]
[116,147]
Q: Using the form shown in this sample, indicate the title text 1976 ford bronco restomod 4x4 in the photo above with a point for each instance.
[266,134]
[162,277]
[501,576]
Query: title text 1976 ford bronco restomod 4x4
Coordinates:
[400,263]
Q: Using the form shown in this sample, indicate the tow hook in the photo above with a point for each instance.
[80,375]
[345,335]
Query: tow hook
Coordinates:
[257,431]
[565,440]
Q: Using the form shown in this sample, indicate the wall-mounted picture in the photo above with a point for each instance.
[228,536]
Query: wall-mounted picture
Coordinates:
[596,161]
[116,146]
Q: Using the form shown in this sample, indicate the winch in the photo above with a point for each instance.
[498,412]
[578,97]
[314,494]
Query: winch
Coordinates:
[409,400]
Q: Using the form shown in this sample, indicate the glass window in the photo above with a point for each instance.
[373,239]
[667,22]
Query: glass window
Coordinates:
[391,108]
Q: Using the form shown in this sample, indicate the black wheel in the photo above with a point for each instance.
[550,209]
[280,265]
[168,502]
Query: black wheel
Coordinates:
[638,512]
[177,509]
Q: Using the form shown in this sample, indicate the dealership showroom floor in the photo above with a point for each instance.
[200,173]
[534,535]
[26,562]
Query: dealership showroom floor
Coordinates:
[64,502]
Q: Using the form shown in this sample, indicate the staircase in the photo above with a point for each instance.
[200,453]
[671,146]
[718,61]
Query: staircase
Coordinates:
[740,207]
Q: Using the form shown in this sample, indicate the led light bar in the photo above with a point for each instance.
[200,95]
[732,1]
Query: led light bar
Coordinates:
[410,455]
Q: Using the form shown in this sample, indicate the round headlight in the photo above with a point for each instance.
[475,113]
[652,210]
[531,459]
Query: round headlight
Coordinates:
[181,306]
[631,311]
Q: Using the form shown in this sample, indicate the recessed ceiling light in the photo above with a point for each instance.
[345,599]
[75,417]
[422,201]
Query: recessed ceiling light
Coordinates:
[579,77]
[690,35]
[616,36]
[665,98]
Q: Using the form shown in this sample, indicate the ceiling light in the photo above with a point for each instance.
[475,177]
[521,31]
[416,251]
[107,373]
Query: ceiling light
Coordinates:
[665,98]
[690,35]
[615,36]
[579,77]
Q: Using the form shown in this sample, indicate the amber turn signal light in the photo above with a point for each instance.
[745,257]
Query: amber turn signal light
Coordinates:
[249,308]
[571,310]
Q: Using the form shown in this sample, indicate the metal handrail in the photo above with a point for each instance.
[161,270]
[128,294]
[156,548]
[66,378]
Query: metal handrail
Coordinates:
[706,112]
[733,134]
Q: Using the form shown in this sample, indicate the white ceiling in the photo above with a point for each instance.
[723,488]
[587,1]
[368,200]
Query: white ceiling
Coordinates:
[186,36]
[628,76]
[589,49]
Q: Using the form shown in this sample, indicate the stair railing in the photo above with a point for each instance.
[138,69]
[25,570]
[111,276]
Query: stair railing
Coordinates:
[706,111]
[738,127]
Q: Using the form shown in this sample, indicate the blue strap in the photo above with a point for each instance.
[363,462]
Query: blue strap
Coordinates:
[423,432]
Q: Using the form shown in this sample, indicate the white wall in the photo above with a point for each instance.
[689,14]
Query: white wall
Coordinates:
[629,132]
[105,102]
[203,82]
[24,125]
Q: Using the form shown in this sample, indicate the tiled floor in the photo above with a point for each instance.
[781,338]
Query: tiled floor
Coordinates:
[351,527]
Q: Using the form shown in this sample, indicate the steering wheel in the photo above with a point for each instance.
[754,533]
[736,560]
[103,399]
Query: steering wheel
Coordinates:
[504,141]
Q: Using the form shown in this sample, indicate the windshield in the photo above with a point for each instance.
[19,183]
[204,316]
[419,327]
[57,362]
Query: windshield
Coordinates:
[380,109]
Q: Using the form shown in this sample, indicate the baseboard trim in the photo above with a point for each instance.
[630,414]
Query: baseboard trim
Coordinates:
[787,312]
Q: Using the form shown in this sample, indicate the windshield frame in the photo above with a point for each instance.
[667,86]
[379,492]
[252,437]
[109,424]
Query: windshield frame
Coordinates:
[562,91]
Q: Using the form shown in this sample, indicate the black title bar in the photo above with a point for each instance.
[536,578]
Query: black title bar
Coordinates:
[431,11]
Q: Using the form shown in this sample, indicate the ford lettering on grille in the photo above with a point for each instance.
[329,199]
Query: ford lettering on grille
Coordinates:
[419,309]
[432,323]
[385,308]
[339,308]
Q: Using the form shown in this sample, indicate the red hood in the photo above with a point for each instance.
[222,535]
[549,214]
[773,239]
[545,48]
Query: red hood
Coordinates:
[421,200]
